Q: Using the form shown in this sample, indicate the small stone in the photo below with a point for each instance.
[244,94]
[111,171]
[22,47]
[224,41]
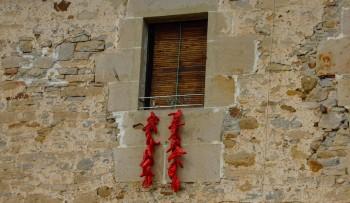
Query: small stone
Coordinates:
[86,15]
[330,121]
[43,63]
[317,95]
[80,38]
[13,62]
[229,143]
[241,158]
[85,164]
[323,109]
[339,180]
[82,55]
[26,46]
[288,108]
[280,122]
[276,67]
[61,6]
[65,51]
[91,46]
[235,112]
[11,71]
[246,187]
[67,71]
[314,165]
[248,123]
[46,43]
[104,191]
[308,83]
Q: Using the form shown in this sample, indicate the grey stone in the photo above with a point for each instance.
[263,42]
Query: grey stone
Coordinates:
[87,15]
[85,164]
[43,62]
[326,82]
[123,65]
[90,46]
[67,71]
[332,120]
[276,67]
[149,8]
[13,62]
[123,96]
[219,91]
[343,91]
[127,163]
[226,56]
[80,38]
[345,19]
[333,57]
[81,55]
[65,51]
[132,39]
[199,169]
[280,122]
[318,94]
[329,162]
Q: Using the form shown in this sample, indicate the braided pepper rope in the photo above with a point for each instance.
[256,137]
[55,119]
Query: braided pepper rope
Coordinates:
[147,161]
[175,149]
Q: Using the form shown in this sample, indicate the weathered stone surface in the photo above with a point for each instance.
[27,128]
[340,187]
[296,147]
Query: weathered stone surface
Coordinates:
[345,18]
[80,78]
[288,108]
[11,71]
[82,37]
[343,91]
[104,191]
[308,83]
[314,165]
[280,122]
[197,169]
[65,51]
[333,58]
[240,159]
[126,90]
[90,46]
[90,197]
[26,46]
[43,62]
[219,24]
[67,71]
[331,120]
[86,15]
[81,91]
[226,55]
[85,164]
[13,62]
[149,8]
[317,95]
[121,66]
[129,39]
[127,163]
[41,198]
[248,123]
[219,91]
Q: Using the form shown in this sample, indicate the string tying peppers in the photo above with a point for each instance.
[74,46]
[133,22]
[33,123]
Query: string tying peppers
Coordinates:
[148,161]
[175,149]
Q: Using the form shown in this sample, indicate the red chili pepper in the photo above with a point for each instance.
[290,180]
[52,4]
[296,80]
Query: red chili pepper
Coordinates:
[147,161]
[175,149]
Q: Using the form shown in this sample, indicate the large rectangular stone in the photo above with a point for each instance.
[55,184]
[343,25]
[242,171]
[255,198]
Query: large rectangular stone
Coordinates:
[151,8]
[123,65]
[345,19]
[333,57]
[202,163]
[201,126]
[123,96]
[219,91]
[219,24]
[231,55]
[127,163]
[131,32]
[343,91]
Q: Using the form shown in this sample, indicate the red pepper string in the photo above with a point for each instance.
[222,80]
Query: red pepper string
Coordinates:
[147,161]
[175,149]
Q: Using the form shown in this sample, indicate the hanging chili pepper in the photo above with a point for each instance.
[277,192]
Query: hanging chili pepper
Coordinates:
[175,149]
[148,161]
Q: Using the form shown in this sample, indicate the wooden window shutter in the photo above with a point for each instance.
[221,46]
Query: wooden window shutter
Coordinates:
[177,63]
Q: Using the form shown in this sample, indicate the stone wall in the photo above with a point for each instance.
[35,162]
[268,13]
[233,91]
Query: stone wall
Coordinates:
[284,125]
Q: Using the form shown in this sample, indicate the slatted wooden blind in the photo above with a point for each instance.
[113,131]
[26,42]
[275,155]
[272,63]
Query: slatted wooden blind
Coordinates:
[177,62]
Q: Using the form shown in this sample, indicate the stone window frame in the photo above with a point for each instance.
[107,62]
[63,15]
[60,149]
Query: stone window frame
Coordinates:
[121,70]
[124,75]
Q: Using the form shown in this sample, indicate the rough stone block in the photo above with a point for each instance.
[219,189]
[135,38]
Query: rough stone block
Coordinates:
[121,66]
[43,63]
[80,78]
[150,8]
[343,91]
[65,51]
[333,57]
[219,91]
[201,163]
[131,31]
[123,96]
[90,46]
[81,91]
[26,46]
[345,19]
[231,55]
[219,24]
[127,163]
[201,126]
[13,62]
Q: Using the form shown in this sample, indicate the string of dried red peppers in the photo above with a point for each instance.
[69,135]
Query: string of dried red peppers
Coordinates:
[175,149]
[148,161]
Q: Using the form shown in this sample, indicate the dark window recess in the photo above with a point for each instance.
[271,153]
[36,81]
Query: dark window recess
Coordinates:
[176,64]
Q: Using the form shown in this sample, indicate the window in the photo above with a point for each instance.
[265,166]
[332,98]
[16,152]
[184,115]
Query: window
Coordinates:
[175,75]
